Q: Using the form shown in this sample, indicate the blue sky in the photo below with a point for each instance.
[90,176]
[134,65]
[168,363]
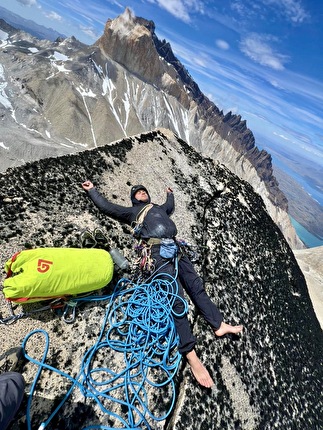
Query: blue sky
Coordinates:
[262,59]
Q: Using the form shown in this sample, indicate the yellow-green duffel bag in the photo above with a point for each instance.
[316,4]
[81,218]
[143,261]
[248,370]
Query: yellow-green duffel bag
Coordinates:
[46,273]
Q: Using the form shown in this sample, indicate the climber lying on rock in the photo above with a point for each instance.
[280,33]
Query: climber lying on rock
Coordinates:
[157,230]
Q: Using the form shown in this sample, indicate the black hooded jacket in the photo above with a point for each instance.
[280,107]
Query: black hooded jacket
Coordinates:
[157,222]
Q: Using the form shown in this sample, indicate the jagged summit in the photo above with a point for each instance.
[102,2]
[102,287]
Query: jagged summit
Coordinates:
[129,41]
[140,32]
[135,35]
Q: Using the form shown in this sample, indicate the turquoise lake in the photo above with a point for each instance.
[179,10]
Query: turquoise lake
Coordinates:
[309,239]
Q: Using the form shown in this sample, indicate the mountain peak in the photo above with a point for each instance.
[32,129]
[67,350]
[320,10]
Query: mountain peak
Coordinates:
[128,40]
[127,23]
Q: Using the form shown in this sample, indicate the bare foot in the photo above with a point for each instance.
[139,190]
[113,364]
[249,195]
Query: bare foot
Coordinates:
[227,328]
[199,371]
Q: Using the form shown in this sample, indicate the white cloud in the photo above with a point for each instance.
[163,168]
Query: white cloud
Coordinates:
[222,44]
[238,7]
[89,32]
[181,9]
[288,10]
[258,48]
[275,83]
[291,9]
[200,61]
[54,16]
[280,135]
[28,2]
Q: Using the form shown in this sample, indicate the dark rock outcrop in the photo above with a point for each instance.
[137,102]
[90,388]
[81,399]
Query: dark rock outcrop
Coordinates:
[7,27]
[271,377]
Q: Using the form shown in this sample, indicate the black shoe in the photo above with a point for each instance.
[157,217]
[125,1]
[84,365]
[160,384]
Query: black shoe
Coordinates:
[100,237]
[12,360]
[87,239]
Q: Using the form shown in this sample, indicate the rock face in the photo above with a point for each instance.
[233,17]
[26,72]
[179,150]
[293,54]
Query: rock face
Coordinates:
[64,97]
[310,261]
[271,377]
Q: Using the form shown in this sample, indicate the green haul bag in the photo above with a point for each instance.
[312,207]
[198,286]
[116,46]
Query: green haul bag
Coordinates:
[46,273]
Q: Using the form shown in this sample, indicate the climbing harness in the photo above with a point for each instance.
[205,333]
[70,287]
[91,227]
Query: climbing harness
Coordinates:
[186,248]
[138,324]
[169,248]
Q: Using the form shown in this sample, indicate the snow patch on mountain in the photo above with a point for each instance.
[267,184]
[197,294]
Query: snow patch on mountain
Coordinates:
[2,145]
[4,100]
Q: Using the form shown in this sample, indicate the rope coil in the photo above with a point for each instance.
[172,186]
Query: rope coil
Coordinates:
[138,325]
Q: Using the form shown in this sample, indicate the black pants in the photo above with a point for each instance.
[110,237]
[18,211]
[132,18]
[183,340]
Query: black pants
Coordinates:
[12,386]
[193,285]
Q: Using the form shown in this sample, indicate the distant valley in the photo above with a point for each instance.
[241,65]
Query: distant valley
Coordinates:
[301,206]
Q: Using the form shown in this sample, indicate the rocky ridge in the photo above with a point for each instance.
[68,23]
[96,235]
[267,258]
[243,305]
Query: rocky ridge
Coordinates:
[269,378]
[64,97]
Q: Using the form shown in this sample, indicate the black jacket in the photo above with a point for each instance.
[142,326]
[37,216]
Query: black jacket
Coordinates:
[157,222]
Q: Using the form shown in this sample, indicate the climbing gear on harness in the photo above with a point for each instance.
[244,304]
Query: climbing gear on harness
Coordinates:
[187,249]
[138,223]
[138,324]
[47,273]
[144,264]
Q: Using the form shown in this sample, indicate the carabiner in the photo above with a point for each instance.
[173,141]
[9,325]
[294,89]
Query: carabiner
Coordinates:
[10,320]
[69,313]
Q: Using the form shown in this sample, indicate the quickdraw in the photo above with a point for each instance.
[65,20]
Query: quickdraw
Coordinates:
[144,263]
[69,313]
[55,304]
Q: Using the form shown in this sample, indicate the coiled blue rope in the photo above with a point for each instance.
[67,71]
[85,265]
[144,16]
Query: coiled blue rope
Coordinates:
[138,323]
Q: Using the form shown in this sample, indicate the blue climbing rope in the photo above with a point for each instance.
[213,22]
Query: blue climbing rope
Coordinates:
[138,324]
